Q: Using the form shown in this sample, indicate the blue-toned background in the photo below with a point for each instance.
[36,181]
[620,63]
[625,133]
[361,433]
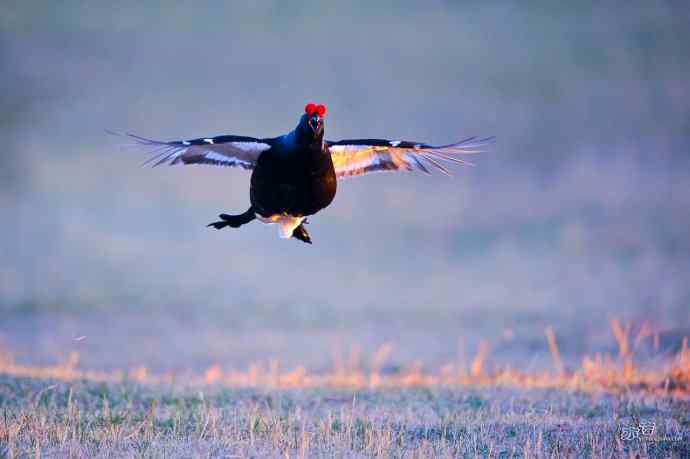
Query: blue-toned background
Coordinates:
[578,214]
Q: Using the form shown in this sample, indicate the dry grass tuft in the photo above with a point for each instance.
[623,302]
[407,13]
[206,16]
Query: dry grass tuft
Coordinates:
[597,373]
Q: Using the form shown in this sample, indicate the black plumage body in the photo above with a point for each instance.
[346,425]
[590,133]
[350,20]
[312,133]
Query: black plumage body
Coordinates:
[295,180]
[295,176]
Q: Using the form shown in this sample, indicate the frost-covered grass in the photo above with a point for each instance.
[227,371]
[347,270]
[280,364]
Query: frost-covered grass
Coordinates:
[360,407]
[88,419]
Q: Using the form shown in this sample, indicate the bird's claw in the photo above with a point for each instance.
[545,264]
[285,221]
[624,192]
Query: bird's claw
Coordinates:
[301,233]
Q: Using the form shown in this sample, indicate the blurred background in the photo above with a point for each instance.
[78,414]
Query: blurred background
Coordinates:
[578,214]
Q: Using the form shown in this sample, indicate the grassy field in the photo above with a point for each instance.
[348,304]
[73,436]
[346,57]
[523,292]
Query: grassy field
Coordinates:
[624,405]
[88,419]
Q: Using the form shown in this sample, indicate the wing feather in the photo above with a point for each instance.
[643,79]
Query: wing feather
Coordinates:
[224,150]
[361,156]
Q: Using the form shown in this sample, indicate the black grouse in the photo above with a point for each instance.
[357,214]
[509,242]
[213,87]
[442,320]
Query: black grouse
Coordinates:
[296,175]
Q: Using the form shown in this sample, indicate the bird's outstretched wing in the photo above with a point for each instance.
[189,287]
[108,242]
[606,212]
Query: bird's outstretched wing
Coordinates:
[224,150]
[361,156]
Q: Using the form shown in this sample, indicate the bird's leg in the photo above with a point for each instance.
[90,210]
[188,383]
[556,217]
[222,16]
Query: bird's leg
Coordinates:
[301,233]
[234,221]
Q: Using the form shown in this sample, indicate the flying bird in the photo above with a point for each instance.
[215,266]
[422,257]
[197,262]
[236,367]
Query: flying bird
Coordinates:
[296,175]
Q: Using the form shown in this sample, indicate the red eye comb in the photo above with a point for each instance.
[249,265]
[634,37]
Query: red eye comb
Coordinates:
[312,108]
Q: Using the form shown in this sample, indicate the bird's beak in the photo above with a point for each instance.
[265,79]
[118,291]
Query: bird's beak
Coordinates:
[315,123]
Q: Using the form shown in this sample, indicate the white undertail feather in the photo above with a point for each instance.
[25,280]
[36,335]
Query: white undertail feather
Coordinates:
[286,223]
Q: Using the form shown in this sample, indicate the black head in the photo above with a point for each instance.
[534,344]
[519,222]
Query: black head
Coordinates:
[311,123]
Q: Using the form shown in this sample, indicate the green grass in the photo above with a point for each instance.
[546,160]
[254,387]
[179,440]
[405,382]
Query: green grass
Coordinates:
[88,419]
